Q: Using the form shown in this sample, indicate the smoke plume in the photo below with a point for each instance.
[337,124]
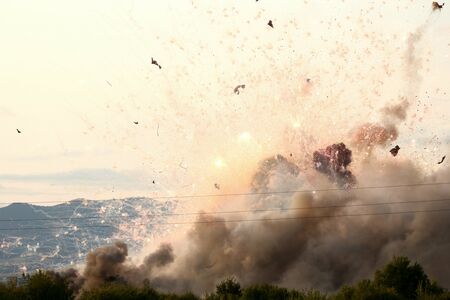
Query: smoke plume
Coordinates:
[318,248]
[333,161]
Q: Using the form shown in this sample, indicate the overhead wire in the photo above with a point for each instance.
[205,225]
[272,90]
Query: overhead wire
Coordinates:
[259,193]
[74,227]
[280,209]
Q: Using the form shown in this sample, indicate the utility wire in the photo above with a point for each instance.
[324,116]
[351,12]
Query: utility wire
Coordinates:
[228,212]
[263,193]
[236,220]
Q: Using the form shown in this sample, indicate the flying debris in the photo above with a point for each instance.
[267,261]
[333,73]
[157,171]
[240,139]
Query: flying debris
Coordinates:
[437,6]
[236,89]
[217,186]
[18,131]
[154,62]
[136,122]
[109,83]
[270,23]
[442,160]
[394,151]
[333,162]
[153,182]
[308,80]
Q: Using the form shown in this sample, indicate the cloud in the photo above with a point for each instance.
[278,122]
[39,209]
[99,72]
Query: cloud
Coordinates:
[78,176]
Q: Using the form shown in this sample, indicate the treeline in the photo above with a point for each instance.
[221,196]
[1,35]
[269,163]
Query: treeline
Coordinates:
[398,280]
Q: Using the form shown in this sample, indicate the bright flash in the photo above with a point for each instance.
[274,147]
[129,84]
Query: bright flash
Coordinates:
[219,163]
[244,136]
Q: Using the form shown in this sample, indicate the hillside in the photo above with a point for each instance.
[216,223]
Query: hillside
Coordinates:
[48,237]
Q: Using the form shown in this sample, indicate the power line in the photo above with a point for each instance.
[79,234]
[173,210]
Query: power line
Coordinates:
[230,212]
[236,220]
[262,193]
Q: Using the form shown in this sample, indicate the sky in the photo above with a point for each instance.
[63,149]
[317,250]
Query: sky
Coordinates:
[77,75]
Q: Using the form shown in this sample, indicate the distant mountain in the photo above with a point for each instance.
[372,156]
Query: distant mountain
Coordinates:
[43,237]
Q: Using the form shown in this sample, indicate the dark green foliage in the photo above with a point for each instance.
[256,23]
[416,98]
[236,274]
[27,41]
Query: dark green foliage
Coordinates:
[11,291]
[403,277]
[398,280]
[267,291]
[229,289]
[119,292]
[126,292]
[42,286]
[366,290]
[188,296]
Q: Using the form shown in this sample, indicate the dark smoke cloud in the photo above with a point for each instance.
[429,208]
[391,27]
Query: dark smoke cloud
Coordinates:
[163,256]
[323,252]
[109,264]
[105,264]
[333,162]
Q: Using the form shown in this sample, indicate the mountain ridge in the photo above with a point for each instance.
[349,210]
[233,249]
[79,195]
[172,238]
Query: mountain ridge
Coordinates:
[48,237]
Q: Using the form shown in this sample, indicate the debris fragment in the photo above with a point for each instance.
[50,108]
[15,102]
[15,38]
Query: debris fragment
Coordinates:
[308,80]
[437,6]
[153,182]
[136,122]
[442,160]
[236,89]
[109,83]
[154,62]
[394,151]
[333,162]
[217,186]
[18,131]
[270,23]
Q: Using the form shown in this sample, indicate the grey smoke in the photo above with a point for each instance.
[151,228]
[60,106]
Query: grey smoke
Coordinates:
[322,253]
[333,162]
[109,264]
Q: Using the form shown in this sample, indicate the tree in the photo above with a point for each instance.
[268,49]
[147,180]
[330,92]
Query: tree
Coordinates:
[229,288]
[43,286]
[119,291]
[366,290]
[402,276]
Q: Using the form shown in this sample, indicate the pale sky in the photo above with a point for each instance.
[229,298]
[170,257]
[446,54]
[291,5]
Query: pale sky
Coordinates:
[76,75]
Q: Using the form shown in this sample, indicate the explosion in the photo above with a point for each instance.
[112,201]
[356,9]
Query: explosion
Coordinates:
[333,161]
[304,232]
